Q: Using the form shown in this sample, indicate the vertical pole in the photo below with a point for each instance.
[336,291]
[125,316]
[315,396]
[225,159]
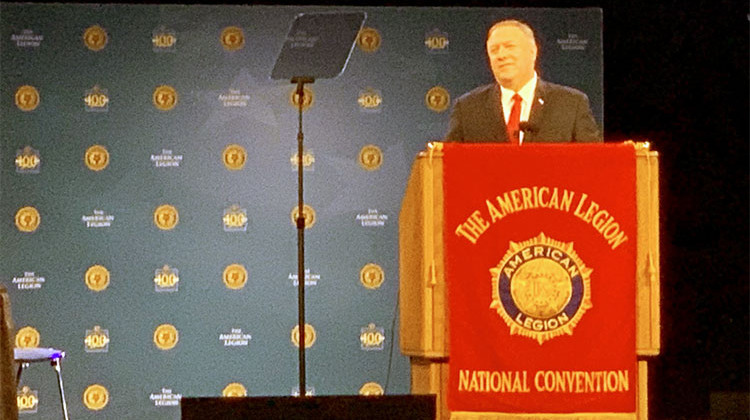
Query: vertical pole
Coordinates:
[300,242]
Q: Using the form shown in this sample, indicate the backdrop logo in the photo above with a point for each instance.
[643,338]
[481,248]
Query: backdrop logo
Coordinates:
[310,336]
[27,98]
[165,398]
[97,340]
[235,276]
[166,279]
[573,43]
[163,39]
[234,219]
[234,98]
[436,41]
[164,98]
[371,337]
[234,157]
[27,39]
[96,99]
[372,218]
[98,220]
[97,278]
[95,38]
[541,288]
[28,219]
[309,215]
[235,338]
[166,159]
[234,389]
[369,40]
[311,279]
[370,157]
[308,98]
[28,161]
[29,281]
[166,217]
[371,389]
[437,99]
[96,157]
[28,337]
[371,276]
[232,38]
[95,397]
[370,100]
[308,159]
[27,400]
[166,336]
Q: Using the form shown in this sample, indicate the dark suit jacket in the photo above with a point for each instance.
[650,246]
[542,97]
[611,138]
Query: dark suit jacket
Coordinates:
[559,114]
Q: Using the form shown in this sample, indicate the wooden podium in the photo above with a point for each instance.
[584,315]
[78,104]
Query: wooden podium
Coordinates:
[423,297]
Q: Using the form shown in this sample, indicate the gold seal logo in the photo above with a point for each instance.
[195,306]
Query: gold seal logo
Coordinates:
[166,217]
[310,336]
[28,337]
[232,38]
[371,276]
[28,160]
[165,97]
[27,400]
[97,340]
[95,397]
[28,219]
[235,276]
[371,389]
[309,214]
[234,389]
[234,157]
[97,278]
[95,38]
[437,99]
[166,336]
[308,98]
[96,157]
[370,157]
[369,40]
[27,98]
[308,159]
[541,288]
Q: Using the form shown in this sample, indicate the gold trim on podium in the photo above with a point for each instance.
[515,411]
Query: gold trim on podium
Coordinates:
[422,291]
[421,257]
[648,319]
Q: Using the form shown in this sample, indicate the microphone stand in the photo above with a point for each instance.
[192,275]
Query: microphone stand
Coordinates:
[300,82]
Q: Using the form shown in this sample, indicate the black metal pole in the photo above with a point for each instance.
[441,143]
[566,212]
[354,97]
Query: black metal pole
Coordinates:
[300,82]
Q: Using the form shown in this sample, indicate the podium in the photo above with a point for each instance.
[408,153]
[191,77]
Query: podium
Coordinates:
[428,226]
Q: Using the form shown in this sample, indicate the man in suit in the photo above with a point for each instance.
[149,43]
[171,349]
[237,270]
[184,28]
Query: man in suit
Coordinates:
[520,107]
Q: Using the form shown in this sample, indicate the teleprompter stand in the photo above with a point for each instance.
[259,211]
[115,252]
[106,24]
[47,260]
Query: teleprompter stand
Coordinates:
[318,46]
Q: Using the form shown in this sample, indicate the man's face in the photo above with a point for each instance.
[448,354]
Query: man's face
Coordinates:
[512,56]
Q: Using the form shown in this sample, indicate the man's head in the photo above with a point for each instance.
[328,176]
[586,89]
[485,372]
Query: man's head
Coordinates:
[511,49]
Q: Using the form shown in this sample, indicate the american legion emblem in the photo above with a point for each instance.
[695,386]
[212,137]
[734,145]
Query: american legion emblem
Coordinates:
[541,288]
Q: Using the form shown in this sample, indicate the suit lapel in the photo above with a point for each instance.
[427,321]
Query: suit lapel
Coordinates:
[537,111]
[498,131]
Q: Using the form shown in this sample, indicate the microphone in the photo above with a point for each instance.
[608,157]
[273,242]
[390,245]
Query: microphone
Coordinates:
[527,127]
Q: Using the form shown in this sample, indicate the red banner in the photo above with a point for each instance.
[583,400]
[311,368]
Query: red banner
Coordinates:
[540,245]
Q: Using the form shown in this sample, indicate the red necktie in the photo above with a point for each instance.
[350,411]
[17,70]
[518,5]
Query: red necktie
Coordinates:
[514,135]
